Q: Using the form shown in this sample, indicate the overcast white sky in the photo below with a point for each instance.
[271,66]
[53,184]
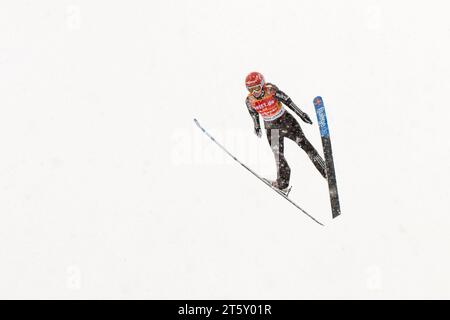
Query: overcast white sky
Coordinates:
[108,190]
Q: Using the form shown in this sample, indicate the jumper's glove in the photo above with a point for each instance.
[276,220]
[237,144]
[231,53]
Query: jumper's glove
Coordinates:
[258,132]
[304,117]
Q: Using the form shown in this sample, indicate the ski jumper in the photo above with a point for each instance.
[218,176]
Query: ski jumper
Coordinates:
[280,124]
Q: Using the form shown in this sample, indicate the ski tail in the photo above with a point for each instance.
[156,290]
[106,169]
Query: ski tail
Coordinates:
[253,172]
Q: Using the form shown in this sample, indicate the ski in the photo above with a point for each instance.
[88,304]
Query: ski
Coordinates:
[265,181]
[326,143]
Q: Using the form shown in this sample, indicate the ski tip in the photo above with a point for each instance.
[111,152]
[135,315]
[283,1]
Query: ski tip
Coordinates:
[317,100]
[197,123]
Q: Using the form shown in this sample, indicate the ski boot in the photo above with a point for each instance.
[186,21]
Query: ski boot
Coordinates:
[274,184]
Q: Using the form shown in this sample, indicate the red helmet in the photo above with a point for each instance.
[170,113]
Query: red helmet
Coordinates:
[254,79]
[255,84]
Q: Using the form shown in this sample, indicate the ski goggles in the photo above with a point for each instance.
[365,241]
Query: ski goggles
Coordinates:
[256,88]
